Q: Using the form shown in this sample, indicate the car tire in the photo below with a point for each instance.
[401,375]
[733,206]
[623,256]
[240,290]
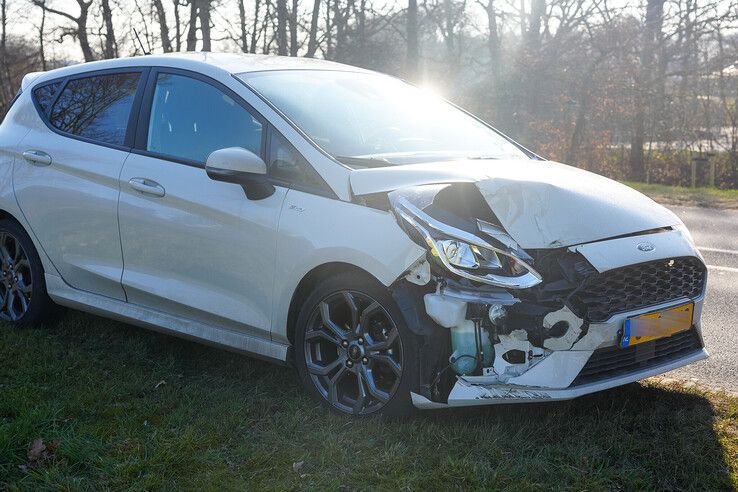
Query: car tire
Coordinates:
[361,360]
[23,297]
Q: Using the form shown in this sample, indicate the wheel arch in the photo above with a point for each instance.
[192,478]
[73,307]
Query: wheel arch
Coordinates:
[46,263]
[4,214]
[308,282]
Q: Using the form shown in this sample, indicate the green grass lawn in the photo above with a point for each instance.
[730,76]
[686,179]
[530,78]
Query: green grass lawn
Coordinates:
[680,195]
[127,408]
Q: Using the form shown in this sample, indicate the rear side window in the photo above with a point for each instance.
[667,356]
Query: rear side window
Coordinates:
[44,95]
[96,107]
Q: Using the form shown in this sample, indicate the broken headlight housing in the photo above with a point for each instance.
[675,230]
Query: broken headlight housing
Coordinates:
[498,261]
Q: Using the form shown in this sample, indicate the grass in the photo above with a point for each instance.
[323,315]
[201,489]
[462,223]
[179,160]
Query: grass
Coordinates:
[680,195]
[135,409]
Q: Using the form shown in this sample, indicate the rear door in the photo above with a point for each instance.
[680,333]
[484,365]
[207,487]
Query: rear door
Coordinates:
[195,247]
[66,181]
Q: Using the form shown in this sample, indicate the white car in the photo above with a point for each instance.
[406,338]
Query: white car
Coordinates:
[393,248]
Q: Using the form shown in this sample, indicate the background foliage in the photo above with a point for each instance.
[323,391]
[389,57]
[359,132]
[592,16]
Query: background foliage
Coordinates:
[636,90]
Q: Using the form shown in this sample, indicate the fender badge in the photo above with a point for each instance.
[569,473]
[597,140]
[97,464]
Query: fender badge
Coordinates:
[646,247]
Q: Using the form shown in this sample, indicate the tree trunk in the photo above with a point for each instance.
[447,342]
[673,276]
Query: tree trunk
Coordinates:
[243,38]
[177,27]
[204,15]
[294,45]
[651,34]
[255,31]
[413,54]
[166,43]
[313,36]
[537,10]
[84,42]
[111,46]
[493,37]
[41,44]
[282,27]
[192,30]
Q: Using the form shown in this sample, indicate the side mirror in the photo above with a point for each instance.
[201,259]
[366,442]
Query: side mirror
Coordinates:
[240,166]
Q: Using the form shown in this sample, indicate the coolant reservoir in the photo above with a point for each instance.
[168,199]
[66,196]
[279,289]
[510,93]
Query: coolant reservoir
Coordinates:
[464,348]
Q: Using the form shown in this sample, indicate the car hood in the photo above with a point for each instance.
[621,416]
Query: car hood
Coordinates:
[541,204]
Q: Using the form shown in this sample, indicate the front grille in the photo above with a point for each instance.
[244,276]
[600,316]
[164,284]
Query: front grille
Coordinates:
[638,286]
[615,361]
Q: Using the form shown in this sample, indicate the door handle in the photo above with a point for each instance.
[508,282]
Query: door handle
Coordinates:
[146,186]
[37,157]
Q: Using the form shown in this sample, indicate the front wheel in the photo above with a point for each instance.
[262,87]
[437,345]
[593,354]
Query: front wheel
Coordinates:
[353,351]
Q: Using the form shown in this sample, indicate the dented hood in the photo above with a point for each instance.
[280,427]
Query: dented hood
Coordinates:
[541,204]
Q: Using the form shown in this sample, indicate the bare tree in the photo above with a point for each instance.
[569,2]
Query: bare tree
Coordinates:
[111,46]
[79,24]
[203,13]
[161,16]
[192,29]
[282,47]
[313,35]
[413,52]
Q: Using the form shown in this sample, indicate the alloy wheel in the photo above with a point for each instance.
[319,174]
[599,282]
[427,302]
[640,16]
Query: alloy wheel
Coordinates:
[16,283]
[353,352]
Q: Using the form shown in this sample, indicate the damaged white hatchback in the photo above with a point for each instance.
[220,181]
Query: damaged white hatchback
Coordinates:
[393,248]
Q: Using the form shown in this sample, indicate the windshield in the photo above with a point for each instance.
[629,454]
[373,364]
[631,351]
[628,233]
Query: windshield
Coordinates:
[367,119]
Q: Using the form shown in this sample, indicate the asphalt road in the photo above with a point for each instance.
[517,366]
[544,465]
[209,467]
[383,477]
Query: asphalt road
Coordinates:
[716,233]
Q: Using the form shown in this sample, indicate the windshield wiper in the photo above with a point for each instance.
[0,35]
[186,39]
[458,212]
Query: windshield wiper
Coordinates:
[363,161]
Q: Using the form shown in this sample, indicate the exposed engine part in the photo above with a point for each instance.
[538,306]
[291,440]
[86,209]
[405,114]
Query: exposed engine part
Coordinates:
[470,343]
[469,346]
[497,314]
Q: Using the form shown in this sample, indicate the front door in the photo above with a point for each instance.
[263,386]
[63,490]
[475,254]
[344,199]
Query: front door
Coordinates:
[192,246]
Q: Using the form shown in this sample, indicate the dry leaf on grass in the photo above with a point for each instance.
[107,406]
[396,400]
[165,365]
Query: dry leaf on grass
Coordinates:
[40,452]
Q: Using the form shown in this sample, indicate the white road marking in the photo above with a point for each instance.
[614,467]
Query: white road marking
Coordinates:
[718,250]
[722,268]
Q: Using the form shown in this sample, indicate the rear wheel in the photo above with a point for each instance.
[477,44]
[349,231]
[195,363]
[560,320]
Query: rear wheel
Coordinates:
[23,298]
[353,351]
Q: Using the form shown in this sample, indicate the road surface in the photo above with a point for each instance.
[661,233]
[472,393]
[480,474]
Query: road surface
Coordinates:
[716,233]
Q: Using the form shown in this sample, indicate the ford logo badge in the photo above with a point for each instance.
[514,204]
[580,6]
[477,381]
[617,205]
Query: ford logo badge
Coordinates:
[646,247]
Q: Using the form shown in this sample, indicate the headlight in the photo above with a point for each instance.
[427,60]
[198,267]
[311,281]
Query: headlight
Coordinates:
[467,255]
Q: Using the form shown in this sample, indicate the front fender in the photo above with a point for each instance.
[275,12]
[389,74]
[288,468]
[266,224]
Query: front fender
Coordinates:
[315,230]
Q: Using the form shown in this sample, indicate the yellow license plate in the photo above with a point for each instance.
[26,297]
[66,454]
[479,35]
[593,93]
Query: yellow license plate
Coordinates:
[659,324]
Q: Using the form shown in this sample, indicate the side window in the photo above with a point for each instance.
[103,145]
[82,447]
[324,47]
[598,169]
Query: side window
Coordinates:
[190,119]
[44,95]
[96,107]
[286,164]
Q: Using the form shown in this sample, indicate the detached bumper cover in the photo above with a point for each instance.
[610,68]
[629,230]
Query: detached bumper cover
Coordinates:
[464,394]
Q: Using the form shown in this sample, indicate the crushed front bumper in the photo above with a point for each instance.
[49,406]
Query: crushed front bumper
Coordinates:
[464,394]
[556,377]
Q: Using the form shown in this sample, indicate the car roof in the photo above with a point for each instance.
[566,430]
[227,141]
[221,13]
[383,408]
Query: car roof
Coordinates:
[206,62]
